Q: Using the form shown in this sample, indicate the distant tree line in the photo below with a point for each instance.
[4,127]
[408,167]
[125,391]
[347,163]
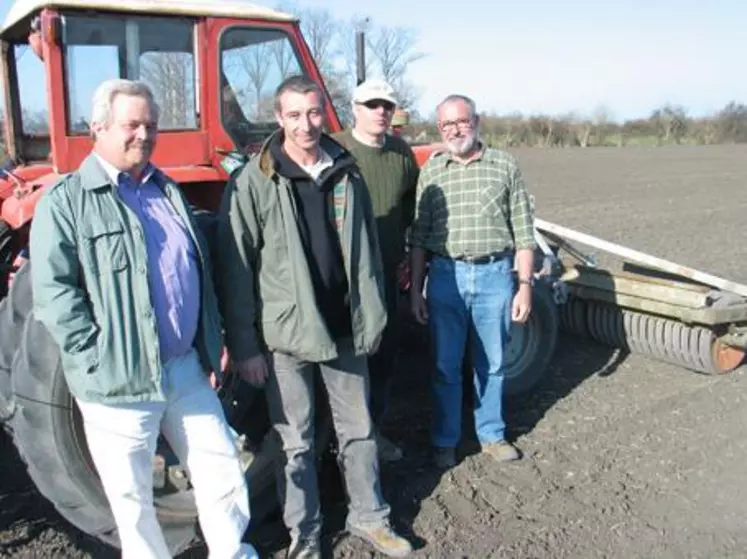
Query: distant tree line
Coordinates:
[668,125]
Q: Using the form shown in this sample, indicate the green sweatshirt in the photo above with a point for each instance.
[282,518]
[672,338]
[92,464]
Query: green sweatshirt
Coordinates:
[391,175]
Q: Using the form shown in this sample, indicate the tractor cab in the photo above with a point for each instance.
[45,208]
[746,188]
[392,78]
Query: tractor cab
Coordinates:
[213,68]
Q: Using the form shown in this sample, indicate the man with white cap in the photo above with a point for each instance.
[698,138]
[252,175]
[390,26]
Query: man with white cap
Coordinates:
[390,171]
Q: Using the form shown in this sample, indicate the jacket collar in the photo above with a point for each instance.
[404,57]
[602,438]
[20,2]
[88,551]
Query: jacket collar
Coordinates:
[266,161]
[94,175]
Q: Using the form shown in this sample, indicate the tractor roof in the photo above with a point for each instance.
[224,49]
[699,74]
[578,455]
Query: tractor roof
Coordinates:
[22,9]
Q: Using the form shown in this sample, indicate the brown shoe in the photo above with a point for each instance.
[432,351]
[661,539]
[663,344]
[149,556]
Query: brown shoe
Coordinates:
[384,539]
[501,451]
[388,451]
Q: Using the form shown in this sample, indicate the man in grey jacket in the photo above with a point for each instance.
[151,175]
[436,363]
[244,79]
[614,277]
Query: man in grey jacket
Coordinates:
[302,291]
[122,281]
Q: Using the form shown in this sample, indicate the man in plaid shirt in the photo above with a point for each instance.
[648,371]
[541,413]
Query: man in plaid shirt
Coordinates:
[473,219]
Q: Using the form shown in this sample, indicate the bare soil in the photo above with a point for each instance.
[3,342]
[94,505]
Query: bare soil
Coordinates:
[623,456]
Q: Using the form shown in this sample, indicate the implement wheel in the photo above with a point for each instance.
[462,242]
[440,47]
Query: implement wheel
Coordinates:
[531,345]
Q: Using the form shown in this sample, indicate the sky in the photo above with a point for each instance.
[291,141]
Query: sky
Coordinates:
[628,57]
[582,56]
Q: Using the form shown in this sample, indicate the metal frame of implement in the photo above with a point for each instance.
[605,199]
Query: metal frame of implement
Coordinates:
[653,306]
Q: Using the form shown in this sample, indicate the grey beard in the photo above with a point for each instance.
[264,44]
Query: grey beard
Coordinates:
[464,146]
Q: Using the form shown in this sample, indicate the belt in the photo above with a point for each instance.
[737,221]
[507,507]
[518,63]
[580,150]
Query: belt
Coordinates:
[485,258]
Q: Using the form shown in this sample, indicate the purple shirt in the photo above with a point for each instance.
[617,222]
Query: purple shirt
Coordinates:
[173,264]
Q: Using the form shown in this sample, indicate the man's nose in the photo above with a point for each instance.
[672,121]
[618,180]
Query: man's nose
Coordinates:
[143,132]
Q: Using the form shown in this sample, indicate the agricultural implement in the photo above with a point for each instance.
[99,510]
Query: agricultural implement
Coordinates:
[651,306]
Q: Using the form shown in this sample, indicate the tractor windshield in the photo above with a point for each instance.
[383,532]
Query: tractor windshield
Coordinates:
[158,51]
[254,61]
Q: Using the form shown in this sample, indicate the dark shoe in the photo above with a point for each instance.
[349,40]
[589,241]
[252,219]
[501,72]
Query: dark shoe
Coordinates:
[388,451]
[444,457]
[501,451]
[384,539]
[305,549]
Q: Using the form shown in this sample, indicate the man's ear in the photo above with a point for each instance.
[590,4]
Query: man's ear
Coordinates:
[279,119]
[96,129]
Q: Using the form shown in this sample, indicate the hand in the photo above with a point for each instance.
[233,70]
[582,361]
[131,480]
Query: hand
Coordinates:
[419,307]
[522,304]
[252,370]
[376,345]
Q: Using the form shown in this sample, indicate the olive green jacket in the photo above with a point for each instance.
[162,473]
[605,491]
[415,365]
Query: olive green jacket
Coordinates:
[264,284]
[90,285]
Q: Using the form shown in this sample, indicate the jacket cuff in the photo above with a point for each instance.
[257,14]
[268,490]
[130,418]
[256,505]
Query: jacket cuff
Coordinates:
[243,346]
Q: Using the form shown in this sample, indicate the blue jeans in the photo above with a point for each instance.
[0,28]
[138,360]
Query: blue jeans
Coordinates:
[463,298]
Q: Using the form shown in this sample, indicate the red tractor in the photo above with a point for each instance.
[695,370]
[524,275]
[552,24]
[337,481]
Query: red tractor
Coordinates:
[213,67]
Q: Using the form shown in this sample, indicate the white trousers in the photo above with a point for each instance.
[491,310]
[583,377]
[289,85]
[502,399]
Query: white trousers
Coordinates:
[122,441]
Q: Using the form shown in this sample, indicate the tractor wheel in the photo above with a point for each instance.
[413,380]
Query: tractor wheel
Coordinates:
[13,312]
[48,432]
[6,256]
[531,345]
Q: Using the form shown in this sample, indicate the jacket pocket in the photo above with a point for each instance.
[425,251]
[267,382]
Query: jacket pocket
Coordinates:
[490,200]
[104,247]
[279,322]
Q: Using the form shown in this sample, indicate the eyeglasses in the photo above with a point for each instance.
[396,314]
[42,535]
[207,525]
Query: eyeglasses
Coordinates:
[463,123]
[376,103]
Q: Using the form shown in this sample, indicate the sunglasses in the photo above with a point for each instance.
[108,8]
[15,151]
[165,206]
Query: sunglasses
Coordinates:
[376,103]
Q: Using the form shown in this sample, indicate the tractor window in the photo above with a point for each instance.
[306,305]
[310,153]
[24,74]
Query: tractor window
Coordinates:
[157,51]
[253,63]
[30,72]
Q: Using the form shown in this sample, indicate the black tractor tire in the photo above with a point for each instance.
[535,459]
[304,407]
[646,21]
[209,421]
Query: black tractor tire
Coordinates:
[531,346]
[48,433]
[6,256]
[13,312]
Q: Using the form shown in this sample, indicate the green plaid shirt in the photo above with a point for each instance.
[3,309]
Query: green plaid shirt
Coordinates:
[474,209]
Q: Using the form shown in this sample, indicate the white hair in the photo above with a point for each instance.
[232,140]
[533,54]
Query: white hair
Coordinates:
[105,93]
[471,106]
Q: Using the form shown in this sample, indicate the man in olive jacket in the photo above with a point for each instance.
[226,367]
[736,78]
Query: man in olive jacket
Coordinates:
[122,281]
[302,292]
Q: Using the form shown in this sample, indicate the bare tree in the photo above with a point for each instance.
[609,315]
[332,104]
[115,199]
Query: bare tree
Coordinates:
[731,123]
[601,118]
[284,59]
[255,61]
[394,51]
[171,77]
[320,30]
[670,123]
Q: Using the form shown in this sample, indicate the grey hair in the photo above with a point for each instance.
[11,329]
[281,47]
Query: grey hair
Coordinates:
[105,93]
[464,99]
[297,84]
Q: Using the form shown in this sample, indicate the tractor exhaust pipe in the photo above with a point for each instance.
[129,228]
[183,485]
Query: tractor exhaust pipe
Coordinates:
[360,56]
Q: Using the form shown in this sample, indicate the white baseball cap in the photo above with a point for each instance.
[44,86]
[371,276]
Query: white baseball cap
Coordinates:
[374,89]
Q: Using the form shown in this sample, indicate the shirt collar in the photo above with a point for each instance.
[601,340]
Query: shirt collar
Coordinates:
[115,174]
[477,157]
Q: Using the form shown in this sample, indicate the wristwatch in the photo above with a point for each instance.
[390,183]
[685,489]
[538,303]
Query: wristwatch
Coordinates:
[528,282]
